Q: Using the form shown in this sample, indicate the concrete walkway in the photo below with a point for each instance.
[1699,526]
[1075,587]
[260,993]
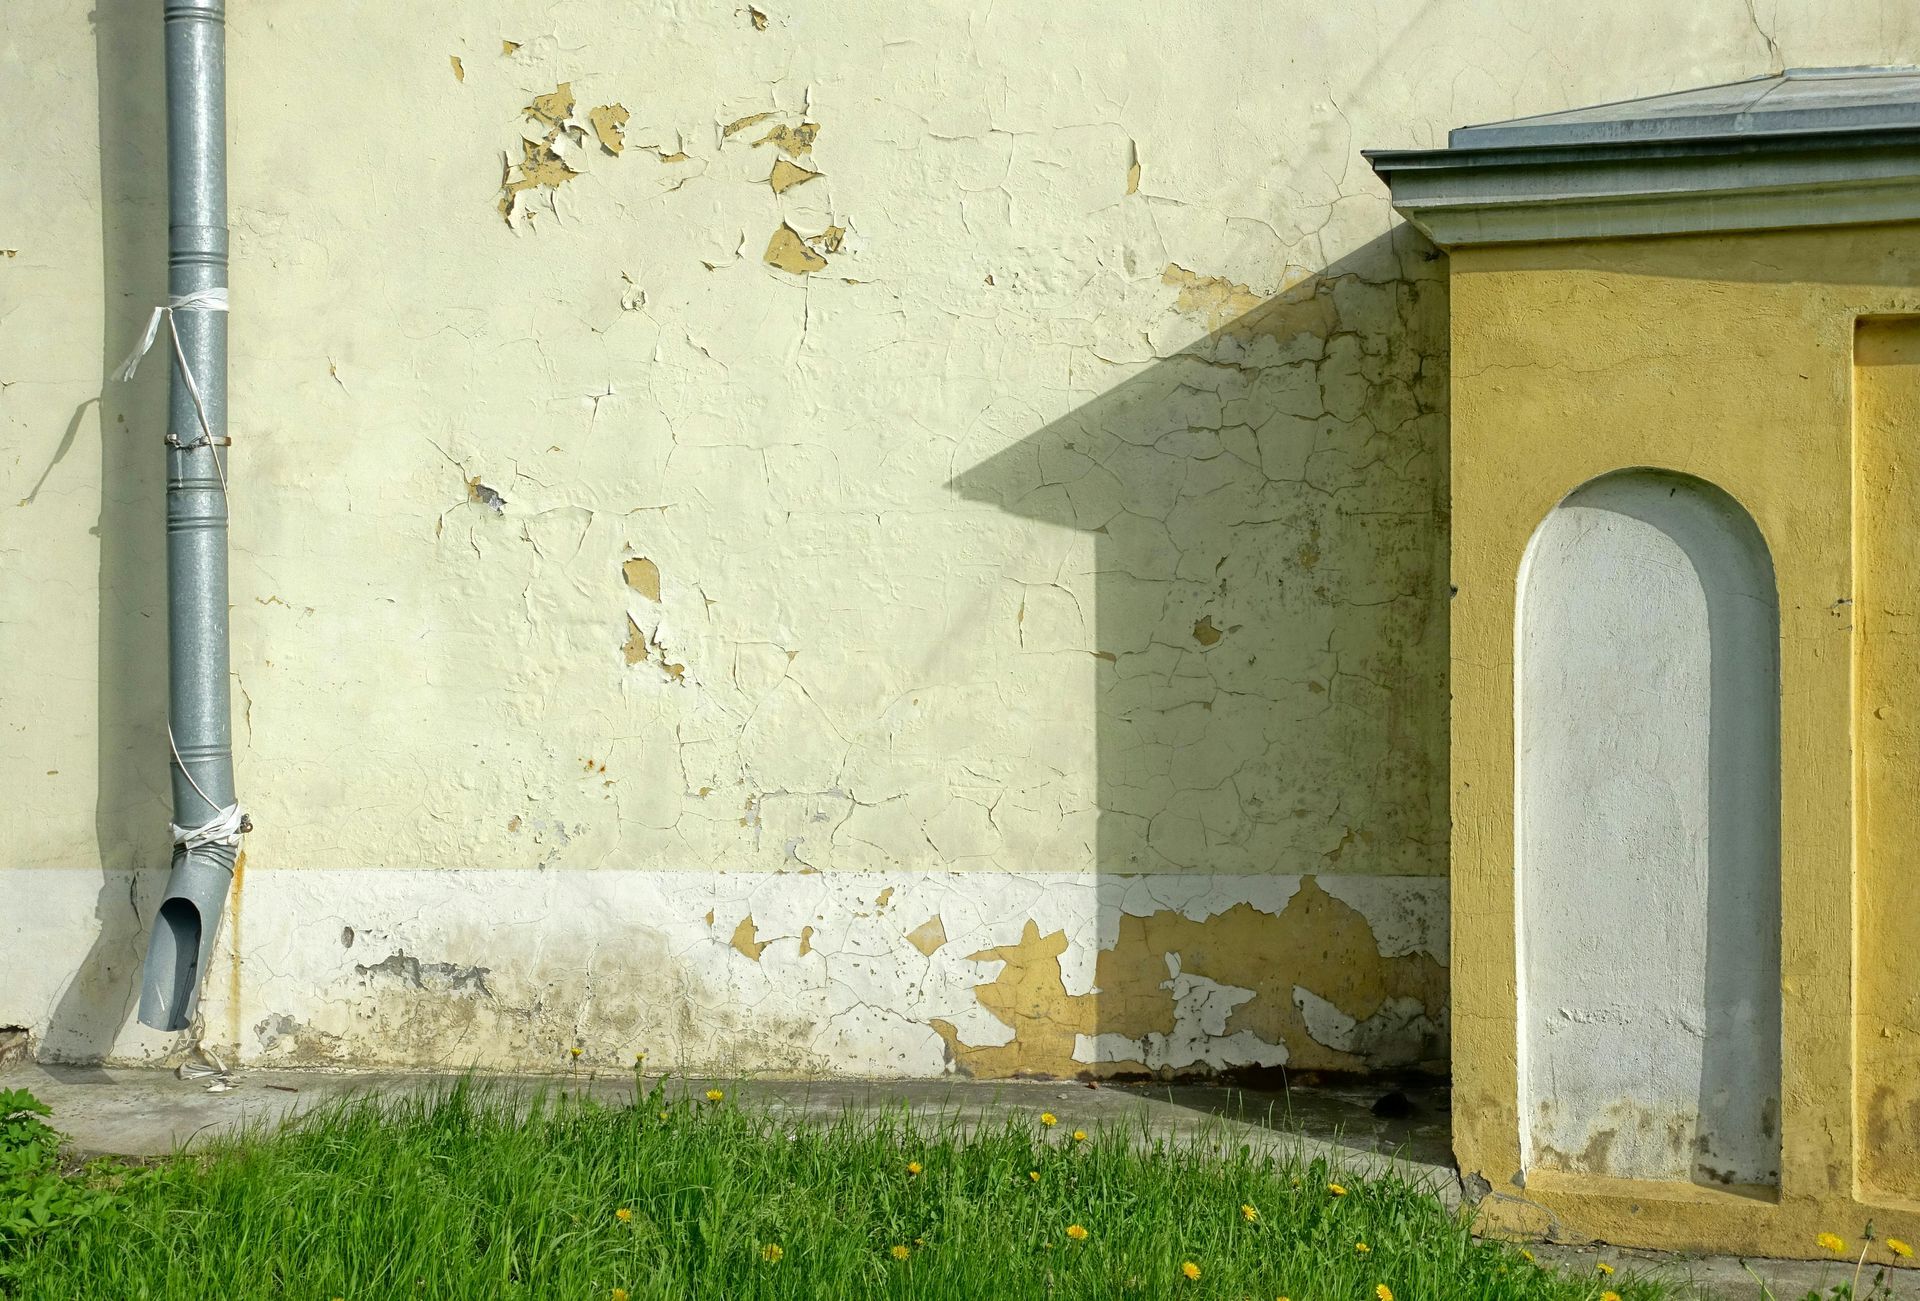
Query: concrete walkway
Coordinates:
[152,1113]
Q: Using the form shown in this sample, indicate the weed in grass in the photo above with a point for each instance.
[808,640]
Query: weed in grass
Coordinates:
[479,1192]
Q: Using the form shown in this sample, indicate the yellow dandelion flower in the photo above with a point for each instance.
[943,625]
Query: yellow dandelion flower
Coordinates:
[1609,1296]
[638,1058]
[1191,1270]
[715,1095]
[1249,1213]
[1382,1291]
[913,1167]
[1526,1255]
[1079,1135]
[663,1115]
[1336,1190]
[1604,1268]
[623,1215]
[1361,1249]
[772,1253]
[1832,1241]
[1048,1119]
[1078,1232]
[619,1294]
[900,1251]
[575,1052]
[1899,1248]
[1034,1175]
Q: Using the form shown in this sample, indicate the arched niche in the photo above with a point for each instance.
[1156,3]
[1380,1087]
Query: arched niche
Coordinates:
[1648,836]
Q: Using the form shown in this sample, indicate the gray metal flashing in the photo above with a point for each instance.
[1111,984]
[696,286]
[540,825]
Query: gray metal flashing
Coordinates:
[1825,148]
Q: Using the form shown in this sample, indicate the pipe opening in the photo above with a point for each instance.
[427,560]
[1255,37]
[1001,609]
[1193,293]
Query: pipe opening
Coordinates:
[173,961]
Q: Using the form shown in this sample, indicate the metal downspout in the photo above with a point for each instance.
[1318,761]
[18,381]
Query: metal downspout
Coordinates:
[207,818]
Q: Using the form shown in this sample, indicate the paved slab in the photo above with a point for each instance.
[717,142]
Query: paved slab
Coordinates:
[151,1112]
[1728,1278]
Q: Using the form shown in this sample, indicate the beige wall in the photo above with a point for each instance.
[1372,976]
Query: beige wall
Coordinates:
[1039,655]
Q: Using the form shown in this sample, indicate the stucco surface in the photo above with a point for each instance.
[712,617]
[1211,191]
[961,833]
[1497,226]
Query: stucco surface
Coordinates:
[954,447]
[1648,842]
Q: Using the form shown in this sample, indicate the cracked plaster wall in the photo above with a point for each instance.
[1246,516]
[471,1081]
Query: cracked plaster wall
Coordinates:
[698,470]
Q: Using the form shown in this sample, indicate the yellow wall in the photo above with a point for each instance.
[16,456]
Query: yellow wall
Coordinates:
[1887,753]
[1731,359]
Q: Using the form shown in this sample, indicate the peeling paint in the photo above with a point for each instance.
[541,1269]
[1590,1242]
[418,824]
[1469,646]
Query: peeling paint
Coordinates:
[554,108]
[744,940]
[610,126]
[459,73]
[641,647]
[789,252]
[793,141]
[786,175]
[1158,985]
[643,576]
[554,158]
[485,496]
[444,977]
[741,124]
[928,936]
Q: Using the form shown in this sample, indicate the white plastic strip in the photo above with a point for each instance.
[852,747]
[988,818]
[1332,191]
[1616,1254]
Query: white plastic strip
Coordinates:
[223,829]
[200,300]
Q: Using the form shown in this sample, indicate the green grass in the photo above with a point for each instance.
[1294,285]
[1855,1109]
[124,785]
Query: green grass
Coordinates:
[474,1193]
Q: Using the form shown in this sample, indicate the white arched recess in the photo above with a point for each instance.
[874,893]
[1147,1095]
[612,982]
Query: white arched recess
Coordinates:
[1648,836]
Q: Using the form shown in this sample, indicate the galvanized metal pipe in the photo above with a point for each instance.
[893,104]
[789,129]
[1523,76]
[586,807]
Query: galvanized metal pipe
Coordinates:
[199,706]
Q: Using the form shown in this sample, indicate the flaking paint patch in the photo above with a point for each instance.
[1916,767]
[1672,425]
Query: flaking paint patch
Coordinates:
[1240,967]
[643,576]
[642,647]
[793,141]
[442,977]
[459,72]
[789,252]
[551,160]
[540,167]
[1236,311]
[609,123]
[742,123]
[786,175]
[483,495]
[928,936]
[553,108]
[746,940]
[758,19]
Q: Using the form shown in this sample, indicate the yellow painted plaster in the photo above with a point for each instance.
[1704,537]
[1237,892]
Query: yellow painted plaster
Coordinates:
[1731,359]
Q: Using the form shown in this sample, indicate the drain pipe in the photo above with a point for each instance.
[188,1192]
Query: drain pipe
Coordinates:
[207,818]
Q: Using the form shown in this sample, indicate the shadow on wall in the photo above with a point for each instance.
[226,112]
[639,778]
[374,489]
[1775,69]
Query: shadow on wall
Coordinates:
[1269,634]
[130,817]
